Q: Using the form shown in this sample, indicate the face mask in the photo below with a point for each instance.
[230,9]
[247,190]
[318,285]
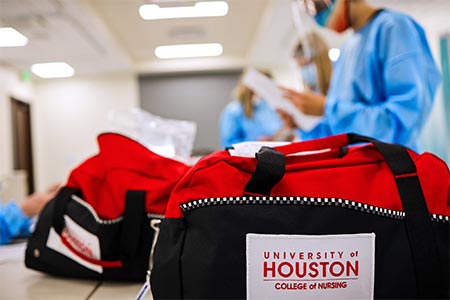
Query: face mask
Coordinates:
[323,15]
[322,10]
[309,75]
[256,100]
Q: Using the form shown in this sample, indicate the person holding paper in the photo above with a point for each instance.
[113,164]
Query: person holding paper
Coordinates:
[15,219]
[248,118]
[384,81]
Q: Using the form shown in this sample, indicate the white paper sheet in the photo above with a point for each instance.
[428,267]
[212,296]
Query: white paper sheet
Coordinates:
[248,149]
[268,89]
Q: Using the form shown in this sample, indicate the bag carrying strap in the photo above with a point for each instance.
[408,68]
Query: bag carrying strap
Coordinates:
[269,170]
[418,224]
[61,199]
[133,217]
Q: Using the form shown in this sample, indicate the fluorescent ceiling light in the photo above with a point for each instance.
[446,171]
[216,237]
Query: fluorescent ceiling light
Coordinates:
[200,9]
[189,50]
[9,37]
[334,54]
[53,70]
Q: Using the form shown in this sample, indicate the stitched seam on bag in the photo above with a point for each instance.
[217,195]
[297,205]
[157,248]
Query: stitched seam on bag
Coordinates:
[106,221]
[309,201]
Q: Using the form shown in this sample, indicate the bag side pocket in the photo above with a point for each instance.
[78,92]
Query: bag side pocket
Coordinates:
[165,278]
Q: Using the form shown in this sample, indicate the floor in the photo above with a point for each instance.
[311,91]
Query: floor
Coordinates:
[18,282]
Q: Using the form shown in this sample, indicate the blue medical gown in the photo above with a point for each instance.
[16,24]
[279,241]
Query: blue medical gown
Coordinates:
[383,84]
[235,126]
[13,222]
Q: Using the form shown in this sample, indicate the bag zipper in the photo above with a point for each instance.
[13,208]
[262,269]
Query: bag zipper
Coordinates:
[111,221]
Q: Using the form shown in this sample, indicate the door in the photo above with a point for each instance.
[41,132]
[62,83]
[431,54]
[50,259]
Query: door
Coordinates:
[22,141]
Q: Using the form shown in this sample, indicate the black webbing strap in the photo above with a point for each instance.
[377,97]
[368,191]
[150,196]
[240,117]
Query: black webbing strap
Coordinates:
[269,170]
[61,199]
[422,240]
[418,224]
[133,217]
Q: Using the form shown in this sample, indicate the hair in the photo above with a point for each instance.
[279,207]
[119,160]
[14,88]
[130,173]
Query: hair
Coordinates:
[245,95]
[319,56]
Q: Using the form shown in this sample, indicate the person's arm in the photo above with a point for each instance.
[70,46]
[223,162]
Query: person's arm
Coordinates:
[409,82]
[15,219]
[13,222]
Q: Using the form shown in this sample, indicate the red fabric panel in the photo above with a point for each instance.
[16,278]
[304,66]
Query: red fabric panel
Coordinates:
[361,175]
[123,164]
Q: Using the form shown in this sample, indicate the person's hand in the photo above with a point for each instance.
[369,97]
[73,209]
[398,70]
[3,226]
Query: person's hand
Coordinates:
[265,139]
[35,202]
[287,119]
[309,103]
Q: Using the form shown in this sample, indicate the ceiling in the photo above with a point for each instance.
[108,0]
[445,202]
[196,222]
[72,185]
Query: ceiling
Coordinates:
[98,36]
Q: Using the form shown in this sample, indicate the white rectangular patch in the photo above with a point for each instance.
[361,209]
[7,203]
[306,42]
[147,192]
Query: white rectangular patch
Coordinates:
[81,239]
[310,266]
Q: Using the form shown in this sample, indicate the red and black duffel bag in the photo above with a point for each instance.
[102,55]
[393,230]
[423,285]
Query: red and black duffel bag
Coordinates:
[98,225]
[334,222]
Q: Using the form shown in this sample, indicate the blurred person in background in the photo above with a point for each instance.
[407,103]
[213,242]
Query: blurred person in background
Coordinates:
[384,81]
[16,218]
[248,118]
[311,56]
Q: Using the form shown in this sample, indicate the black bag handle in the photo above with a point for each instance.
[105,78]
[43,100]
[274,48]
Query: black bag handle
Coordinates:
[61,199]
[269,170]
[133,217]
[418,224]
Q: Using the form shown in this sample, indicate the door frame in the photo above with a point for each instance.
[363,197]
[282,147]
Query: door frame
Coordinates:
[22,142]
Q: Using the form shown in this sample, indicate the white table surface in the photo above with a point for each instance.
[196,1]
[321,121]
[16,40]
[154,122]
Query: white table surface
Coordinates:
[18,282]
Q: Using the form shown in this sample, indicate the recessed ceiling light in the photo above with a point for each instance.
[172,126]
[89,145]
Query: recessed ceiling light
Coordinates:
[198,10]
[189,50]
[334,54]
[9,37]
[53,70]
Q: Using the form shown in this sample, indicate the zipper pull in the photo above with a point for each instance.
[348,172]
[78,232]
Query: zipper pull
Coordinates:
[154,224]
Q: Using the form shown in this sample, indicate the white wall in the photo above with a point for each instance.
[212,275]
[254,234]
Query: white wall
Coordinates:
[10,86]
[69,114]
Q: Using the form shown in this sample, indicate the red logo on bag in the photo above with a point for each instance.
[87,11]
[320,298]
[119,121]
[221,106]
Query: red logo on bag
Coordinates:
[78,243]
[310,270]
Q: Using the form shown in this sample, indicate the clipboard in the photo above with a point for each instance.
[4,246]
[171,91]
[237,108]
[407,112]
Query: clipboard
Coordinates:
[268,89]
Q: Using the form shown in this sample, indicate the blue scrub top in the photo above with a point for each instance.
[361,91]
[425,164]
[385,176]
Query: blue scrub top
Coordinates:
[13,222]
[383,84]
[235,127]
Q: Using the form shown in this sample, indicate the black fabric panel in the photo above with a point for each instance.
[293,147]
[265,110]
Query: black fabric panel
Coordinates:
[109,235]
[214,255]
[166,274]
[41,258]
[269,171]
